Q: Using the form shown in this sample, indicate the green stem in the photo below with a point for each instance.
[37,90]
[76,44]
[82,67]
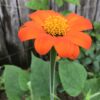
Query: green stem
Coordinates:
[30,89]
[94,95]
[52,73]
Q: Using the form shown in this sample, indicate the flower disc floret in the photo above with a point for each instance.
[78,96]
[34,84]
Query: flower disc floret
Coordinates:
[56,25]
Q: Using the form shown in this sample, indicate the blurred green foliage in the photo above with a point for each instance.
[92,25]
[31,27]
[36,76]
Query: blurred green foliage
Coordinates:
[38,4]
[91,58]
[92,89]
[75,2]
[44,4]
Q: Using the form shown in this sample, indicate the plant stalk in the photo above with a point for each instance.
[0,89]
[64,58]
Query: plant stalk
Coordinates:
[52,73]
[30,89]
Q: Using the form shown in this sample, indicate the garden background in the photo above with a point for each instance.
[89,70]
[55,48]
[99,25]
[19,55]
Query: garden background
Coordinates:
[13,14]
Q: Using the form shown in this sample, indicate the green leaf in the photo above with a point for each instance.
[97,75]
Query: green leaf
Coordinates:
[40,77]
[98,58]
[87,61]
[12,87]
[76,2]
[73,76]
[28,98]
[96,66]
[97,27]
[23,80]
[65,12]
[59,2]
[94,86]
[98,36]
[37,4]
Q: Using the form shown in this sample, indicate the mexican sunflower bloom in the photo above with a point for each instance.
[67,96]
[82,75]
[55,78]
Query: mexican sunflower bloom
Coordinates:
[51,29]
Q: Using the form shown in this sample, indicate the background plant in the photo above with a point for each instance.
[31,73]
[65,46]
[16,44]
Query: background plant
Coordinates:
[27,93]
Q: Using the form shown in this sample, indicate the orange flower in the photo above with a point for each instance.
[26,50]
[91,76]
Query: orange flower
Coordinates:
[51,29]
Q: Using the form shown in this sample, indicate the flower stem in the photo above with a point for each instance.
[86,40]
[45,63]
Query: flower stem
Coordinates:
[94,95]
[30,89]
[52,73]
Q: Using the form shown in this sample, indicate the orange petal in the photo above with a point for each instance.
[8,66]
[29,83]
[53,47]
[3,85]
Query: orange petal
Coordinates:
[43,44]
[75,53]
[78,23]
[65,48]
[80,39]
[40,15]
[30,30]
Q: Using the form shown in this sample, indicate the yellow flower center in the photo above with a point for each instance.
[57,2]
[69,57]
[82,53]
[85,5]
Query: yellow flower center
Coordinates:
[56,25]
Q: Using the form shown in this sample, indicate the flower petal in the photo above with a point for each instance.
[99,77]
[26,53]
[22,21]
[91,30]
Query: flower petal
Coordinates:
[43,44]
[79,23]
[75,53]
[80,39]
[30,30]
[65,48]
[40,15]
